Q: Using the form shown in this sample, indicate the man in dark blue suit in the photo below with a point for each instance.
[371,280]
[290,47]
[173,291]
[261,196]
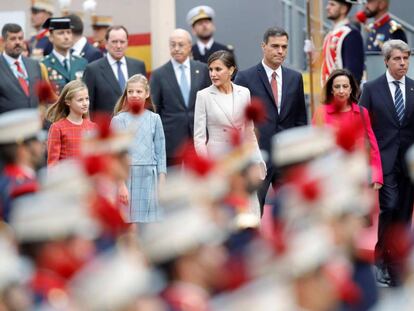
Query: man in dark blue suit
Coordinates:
[390,102]
[107,76]
[81,47]
[281,91]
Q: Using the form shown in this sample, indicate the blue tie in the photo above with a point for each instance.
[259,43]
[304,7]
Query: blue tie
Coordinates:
[399,101]
[121,78]
[185,90]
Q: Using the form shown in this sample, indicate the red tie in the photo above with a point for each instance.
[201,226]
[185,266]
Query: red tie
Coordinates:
[22,80]
[273,84]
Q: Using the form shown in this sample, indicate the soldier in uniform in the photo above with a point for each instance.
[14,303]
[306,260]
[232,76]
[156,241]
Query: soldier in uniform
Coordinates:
[343,46]
[200,19]
[383,28]
[100,25]
[62,67]
[21,153]
[39,43]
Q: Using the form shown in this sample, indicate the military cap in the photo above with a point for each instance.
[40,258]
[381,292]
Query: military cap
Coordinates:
[199,13]
[101,21]
[55,23]
[19,125]
[301,144]
[120,273]
[43,5]
[58,210]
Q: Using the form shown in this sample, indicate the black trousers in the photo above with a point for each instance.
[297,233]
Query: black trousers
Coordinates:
[396,208]
[272,178]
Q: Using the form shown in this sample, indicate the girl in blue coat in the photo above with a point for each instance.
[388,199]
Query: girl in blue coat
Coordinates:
[148,160]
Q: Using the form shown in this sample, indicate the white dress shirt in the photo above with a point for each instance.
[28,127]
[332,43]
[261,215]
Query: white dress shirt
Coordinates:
[392,87]
[61,58]
[279,80]
[78,46]
[11,61]
[113,63]
[202,47]
[177,71]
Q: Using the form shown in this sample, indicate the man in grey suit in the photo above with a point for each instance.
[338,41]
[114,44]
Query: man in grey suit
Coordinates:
[19,74]
[106,77]
[173,89]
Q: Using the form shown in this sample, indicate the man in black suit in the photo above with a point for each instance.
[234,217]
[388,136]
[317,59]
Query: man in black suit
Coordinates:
[81,47]
[281,91]
[390,102]
[173,89]
[19,74]
[200,19]
[106,77]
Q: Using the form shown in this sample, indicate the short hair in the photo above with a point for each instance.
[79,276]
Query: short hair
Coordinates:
[391,45]
[115,27]
[274,32]
[77,24]
[327,89]
[10,27]
[226,57]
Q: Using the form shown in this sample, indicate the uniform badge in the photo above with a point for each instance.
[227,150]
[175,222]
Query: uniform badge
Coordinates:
[79,75]
[379,40]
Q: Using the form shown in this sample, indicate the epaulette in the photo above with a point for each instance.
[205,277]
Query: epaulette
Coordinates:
[230,47]
[394,26]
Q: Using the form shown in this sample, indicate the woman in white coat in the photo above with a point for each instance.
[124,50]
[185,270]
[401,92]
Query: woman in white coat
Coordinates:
[219,110]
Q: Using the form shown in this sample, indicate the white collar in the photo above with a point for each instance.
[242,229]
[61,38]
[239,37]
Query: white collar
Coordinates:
[12,60]
[208,45]
[390,78]
[341,23]
[79,45]
[112,60]
[60,57]
[176,64]
[269,70]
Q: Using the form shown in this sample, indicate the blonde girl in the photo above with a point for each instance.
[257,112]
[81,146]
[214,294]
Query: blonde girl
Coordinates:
[148,160]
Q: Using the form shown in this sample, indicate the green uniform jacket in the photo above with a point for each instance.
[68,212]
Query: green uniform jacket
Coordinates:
[58,75]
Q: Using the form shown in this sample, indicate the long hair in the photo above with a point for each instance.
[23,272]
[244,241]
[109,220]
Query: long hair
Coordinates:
[60,109]
[327,96]
[122,104]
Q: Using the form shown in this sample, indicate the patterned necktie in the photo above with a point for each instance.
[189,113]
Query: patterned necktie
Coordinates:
[273,84]
[399,101]
[185,89]
[22,78]
[121,78]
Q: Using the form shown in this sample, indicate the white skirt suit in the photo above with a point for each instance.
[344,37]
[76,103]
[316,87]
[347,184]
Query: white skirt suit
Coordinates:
[216,115]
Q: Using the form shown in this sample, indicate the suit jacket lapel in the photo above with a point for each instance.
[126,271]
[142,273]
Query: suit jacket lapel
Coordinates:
[9,72]
[31,72]
[109,76]
[172,80]
[283,102]
[387,96]
[409,98]
[195,82]
[214,94]
[129,67]
[262,74]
